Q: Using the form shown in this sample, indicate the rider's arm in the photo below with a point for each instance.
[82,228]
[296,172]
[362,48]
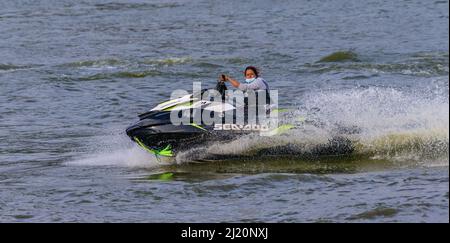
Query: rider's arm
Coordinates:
[233,82]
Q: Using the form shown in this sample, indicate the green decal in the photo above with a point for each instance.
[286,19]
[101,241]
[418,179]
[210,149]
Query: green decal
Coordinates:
[187,104]
[283,128]
[167,151]
[197,126]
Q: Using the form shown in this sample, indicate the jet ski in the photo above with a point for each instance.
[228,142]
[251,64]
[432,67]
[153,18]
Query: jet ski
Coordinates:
[156,133]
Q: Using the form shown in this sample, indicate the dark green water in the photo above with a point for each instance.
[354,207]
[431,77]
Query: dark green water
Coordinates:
[75,74]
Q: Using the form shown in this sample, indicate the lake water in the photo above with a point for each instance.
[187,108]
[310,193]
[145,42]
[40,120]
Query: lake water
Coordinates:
[75,74]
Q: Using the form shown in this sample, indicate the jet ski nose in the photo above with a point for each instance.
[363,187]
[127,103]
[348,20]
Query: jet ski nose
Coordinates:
[142,126]
[130,130]
[141,129]
[134,130]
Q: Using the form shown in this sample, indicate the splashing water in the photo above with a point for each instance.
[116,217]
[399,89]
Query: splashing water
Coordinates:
[391,124]
[116,150]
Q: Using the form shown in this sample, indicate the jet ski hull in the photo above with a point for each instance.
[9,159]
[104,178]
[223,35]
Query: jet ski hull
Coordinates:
[166,136]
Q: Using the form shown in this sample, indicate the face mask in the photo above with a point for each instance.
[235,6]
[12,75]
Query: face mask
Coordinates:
[249,80]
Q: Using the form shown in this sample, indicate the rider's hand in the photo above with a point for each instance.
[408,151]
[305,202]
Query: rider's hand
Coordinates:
[223,77]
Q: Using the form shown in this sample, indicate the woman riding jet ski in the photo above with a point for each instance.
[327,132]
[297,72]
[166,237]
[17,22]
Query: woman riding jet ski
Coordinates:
[160,132]
[252,79]
[252,83]
[157,133]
